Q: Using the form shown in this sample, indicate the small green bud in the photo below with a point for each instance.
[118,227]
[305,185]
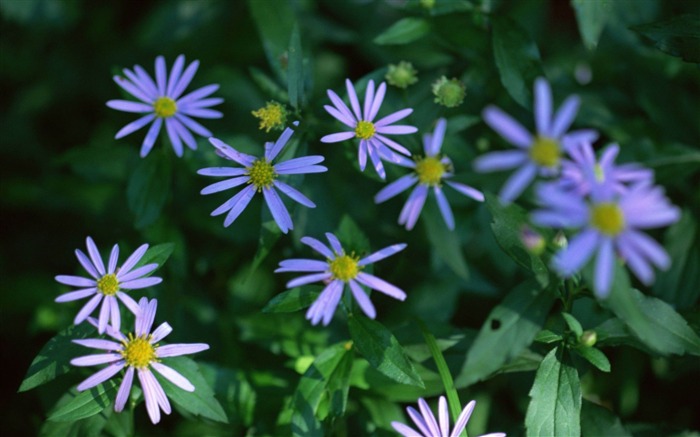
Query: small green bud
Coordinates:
[401,75]
[449,93]
[532,240]
[588,338]
[560,241]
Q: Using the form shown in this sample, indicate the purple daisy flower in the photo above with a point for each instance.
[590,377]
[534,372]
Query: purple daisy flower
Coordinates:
[107,284]
[161,101]
[340,269]
[429,171]
[261,176]
[428,426]
[540,153]
[610,222]
[584,171]
[139,352]
[373,141]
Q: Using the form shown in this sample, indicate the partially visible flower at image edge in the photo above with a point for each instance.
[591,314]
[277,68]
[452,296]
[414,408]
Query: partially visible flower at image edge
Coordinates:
[162,103]
[339,269]
[536,154]
[428,426]
[430,171]
[371,134]
[107,284]
[260,175]
[138,352]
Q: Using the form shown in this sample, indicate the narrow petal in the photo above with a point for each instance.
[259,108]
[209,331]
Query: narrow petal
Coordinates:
[101,376]
[392,118]
[175,350]
[604,265]
[95,256]
[376,161]
[280,143]
[649,248]
[88,309]
[318,247]
[183,133]
[94,360]
[185,80]
[518,182]
[87,264]
[302,265]
[137,273]
[353,99]
[377,101]
[507,127]
[340,136]
[129,106]
[438,137]
[198,94]
[413,206]
[134,126]
[238,204]
[201,112]
[75,281]
[278,210]
[116,335]
[75,295]
[362,299]
[114,313]
[342,108]
[225,185]
[497,161]
[393,144]
[124,390]
[174,137]
[129,302]
[381,285]
[397,130]
[149,394]
[467,190]
[565,116]
[308,279]
[141,283]
[639,266]
[543,107]
[362,154]
[572,258]
[381,254]
[398,186]
[157,389]
[443,416]
[193,125]
[161,75]
[325,312]
[161,332]
[294,194]
[175,72]
[222,171]
[146,80]
[405,430]
[133,259]
[300,165]
[445,209]
[133,89]
[233,154]
[97,343]
[104,314]
[146,317]
[151,136]
[204,103]
[428,417]
[419,422]
[369,97]
[113,258]
[335,243]
[173,376]
[463,418]
[347,120]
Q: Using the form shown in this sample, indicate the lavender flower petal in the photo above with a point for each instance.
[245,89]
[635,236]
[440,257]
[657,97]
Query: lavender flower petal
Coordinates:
[467,190]
[129,302]
[104,314]
[129,106]
[87,264]
[543,107]
[95,256]
[174,137]
[75,295]
[404,430]
[381,285]
[381,254]
[134,126]
[94,360]
[193,125]
[160,75]
[124,390]
[347,120]
[151,136]
[96,343]
[222,171]
[233,154]
[419,421]
[236,205]
[341,107]
[149,395]
[302,265]
[147,315]
[162,331]
[649,248]
[173,376]
[141,283]
[175,73]
[87,309]
[507,127]
[377,101]
[575,255]
[280,143]
[353,99]
[392,118]
[198,94]
[278,210]
[518,182]
[115,315]
[294,194]
[397,130]
[398,186]
[318,247]
[335,243]
[175,350]
[433,147]
[301,165]
[362,299]
[376,161]
[185,80]
[463,419]
[445,209]
[136,273]
[308,279]
[369,97]
[132,89]
[413,206]
[75,281]
[338,137]
[225,185]
[101,376]
[604,268]
[133,259]
[502,160]
[428,417]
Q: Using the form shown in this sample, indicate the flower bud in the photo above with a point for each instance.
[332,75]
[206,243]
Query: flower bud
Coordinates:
[588,338]
[401,75]
[449,93]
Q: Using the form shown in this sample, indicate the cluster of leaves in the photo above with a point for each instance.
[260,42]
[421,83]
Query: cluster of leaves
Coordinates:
[485,318]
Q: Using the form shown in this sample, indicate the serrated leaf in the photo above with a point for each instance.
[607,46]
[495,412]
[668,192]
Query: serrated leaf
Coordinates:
[85,404]
[677,36]
[157,254]
[591,17]
[200,402]
[382,350]
[517,59]
[403,31]
[594,356]
[293,300]
[512,326]
[295,72]
[598,421]
[555,404]
[573,324]
[54,358]
[445,243]
[148,189]
[327,380]
[508,223]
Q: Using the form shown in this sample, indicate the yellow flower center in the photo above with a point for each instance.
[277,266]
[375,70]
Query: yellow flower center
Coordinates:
[165,107]
[108,284]
[261,174]
[430,170]
[345,267]
[272,116]
[545,152]
[138,351]
[608,218]
[364,130]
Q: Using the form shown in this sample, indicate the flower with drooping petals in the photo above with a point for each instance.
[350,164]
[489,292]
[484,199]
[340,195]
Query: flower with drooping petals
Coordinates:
[541,153]
[429,172]
[371,134]
[260,175]
[162,103]
[140,353]
[107,284]
[610,223]
[339,269]
[428,426]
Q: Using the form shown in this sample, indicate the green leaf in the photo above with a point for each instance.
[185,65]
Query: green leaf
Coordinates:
[512,326]
[546,336]
[200,402]
[157,254]
[268,86]
[517,59]
[614,332]
[85,404]
[598,421]
[352,237]
[404,31]
[677,36]
[295,73]
[591,17]
[326,382]
[148,189]
[445,243]
[594,356]
[508,223]
[275,21]
[232,387]
[573,324]
[381,349]
[555,405]
[92,426]
[54,358]
[269,234]
[293,300]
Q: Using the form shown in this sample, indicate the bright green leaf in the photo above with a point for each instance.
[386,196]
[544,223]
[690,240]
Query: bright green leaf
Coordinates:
[594,356]
[85,404]
[573,324]
[546,336]
[403,31]
[157,254]
[293,300]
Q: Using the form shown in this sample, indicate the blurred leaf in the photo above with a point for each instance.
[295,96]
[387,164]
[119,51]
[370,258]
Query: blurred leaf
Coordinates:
[445,242]
[594,356]
[512,325]
[235,391]
[268,86]
[158,254]
[677,36]
[148,189]
[591,17]
[381,349]
[404,31]
[614,332]
[275,20]
[326,380]
[599,421]
[92,426]
[85,404]
[295,74]
[517,59]
[352,237]
[293,300]
[555,405]
[269,234]
[508,223]
[546,336]
[200,402]
[573,324]
[54,358]
[119,425]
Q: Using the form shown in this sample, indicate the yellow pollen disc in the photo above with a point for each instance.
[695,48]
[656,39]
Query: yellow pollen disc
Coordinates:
[364,130]
[272,116]
[345,267]
[138,351]
[545,152]
[430,170]
[165,107]
[261,174]
[608,218]
[108,285]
